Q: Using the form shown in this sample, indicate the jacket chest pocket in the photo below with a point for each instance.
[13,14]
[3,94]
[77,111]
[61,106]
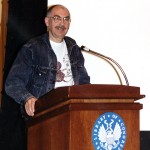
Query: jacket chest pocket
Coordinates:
[40,75]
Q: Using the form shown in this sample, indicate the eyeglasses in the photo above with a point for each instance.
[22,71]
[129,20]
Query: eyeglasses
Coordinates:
[58,19]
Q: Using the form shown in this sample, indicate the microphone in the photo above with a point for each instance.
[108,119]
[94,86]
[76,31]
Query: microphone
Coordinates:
[110,61]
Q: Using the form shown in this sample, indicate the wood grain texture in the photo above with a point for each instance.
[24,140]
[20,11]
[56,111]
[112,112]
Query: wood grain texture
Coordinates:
[68,125]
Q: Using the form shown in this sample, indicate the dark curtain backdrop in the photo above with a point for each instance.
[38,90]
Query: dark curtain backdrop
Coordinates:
[25,20]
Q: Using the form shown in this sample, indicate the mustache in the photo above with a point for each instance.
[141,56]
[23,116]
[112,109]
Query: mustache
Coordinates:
[60,27]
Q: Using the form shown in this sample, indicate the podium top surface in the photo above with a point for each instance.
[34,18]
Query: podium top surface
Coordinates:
[89,91]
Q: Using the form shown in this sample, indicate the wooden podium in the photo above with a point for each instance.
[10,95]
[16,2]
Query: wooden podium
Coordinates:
[65,117]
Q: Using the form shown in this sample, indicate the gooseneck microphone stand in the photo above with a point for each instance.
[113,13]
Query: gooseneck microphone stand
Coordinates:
[111,61]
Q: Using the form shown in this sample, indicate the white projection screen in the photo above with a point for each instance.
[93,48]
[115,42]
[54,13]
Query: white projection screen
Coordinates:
[119,29]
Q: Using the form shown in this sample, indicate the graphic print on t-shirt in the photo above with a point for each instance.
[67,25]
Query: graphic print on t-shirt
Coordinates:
[64,70]
[64,73]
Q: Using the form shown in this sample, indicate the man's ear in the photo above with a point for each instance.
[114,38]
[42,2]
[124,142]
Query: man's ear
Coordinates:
[46,21]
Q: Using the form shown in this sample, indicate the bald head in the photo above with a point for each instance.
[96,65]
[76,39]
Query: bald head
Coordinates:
[53,7]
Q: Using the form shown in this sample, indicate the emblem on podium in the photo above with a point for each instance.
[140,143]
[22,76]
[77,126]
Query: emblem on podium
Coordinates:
[109,132]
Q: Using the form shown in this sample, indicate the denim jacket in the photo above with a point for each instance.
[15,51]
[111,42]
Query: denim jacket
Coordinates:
[34,70]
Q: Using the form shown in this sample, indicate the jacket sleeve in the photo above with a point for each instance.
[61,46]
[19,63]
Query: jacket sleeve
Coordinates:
[15,85]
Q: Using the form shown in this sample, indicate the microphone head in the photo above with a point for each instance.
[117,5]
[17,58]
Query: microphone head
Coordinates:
[85,48]
[82,47]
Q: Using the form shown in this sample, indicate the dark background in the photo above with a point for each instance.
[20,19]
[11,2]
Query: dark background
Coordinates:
[25,20]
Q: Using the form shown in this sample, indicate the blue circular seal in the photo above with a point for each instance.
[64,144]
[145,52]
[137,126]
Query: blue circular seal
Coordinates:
[109,132]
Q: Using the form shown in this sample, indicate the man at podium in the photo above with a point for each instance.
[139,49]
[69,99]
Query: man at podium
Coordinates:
[47,61]
[44,63]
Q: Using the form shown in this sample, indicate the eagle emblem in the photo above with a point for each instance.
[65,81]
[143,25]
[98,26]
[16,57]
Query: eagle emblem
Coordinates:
[109,132]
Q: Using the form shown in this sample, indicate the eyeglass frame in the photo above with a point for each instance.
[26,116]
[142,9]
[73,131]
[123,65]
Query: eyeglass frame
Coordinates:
[58,19]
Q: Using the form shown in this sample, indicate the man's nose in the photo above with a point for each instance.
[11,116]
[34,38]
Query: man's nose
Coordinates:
[62,21]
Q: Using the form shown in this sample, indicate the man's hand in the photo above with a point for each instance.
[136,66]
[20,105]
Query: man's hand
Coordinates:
[30,106]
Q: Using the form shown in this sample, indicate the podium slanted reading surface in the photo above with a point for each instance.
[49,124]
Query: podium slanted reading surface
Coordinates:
[65,117]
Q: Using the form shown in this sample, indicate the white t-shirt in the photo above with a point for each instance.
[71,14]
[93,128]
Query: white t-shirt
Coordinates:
[64,74]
